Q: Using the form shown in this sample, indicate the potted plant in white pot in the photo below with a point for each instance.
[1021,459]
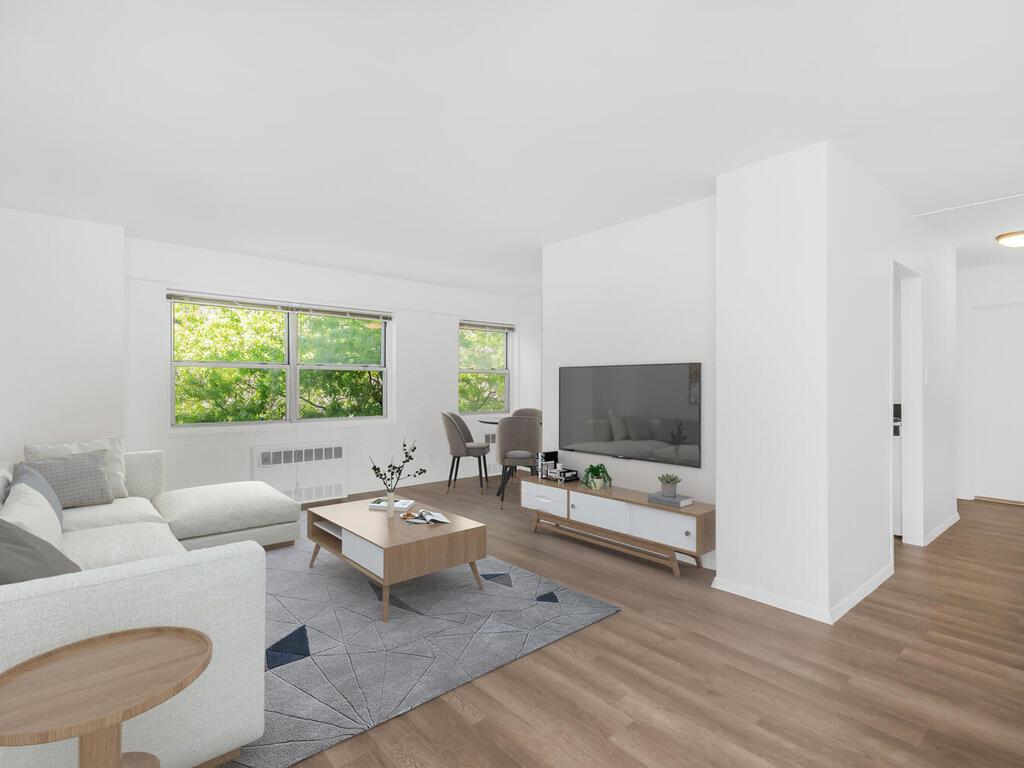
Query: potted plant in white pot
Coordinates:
[391,475]
[596,476]
[668,484]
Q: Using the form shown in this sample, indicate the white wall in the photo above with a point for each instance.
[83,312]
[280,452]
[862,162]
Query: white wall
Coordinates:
[638,292]
[806,246]
[989,303]
[868,230]
[424,359]
[62,314]
[771,357]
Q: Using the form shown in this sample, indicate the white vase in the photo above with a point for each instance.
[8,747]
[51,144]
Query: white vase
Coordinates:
[668,490]
[597,483]
[391,505]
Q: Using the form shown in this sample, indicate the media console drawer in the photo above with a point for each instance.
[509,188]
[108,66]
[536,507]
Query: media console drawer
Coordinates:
[543,498]
[666,527]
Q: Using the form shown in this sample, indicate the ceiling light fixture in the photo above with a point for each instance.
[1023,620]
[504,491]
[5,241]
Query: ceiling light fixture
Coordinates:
[1011,239]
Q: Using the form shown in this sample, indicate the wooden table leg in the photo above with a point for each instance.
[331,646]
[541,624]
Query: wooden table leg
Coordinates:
[385,600]
[100,749]
[139,760]
[316,551]
[476,574]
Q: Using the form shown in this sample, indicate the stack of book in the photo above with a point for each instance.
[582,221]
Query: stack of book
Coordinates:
[672,501]
[400,504]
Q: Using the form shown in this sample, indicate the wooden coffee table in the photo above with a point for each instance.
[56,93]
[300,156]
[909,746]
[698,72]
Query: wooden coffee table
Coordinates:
[87,689]
[389,550]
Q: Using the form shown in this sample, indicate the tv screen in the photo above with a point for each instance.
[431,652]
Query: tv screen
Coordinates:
[645,412]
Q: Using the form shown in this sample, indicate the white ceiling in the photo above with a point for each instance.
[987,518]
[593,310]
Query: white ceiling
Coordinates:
[448,140]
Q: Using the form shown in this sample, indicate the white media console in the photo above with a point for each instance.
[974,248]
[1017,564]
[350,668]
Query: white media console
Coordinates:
[623,520]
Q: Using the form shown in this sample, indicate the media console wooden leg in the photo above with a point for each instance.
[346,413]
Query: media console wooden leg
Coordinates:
[674,563]
[100,749]
[316,551]
[385,599]
[476,574]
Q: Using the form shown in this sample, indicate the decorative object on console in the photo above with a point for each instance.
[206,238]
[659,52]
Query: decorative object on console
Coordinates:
[670,501]
[393,474]
[668,484]
[596,476]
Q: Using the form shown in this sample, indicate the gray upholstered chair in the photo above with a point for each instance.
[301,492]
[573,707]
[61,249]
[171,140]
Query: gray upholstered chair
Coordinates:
[532,412]
[518,445]
[460,444]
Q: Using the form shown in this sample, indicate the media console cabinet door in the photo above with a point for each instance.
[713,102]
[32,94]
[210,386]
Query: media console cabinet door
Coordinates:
[671,528]
[601,512]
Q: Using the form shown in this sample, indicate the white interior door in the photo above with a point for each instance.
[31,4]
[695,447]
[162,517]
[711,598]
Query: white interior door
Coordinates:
[998,402]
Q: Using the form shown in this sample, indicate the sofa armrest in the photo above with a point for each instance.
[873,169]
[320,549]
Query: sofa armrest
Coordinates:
[144,473]
[219,591]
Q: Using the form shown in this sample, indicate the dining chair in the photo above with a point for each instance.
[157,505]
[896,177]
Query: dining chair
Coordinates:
[460,444]
[532,412]
[518,445]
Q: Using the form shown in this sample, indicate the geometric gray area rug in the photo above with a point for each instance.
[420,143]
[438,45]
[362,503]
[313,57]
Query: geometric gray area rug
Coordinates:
[334,669]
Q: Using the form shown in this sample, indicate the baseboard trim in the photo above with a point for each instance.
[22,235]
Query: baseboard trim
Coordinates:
[775,601]
[941,528]
[1000,501]
[874,582]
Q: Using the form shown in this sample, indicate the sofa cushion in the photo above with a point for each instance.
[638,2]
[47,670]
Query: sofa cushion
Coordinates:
[618,424]
[639,428]
[113,466]
[6,475]
[79,479]
[100,547]
[23,473]
[209,509]
[24,557]
[120,512]
[28,509]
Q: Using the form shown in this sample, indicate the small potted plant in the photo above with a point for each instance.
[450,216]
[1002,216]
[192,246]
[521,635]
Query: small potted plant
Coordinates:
[668,484]
[393,474]
[596,476]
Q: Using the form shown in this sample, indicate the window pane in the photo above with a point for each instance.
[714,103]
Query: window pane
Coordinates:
[333,394]
[212,395]
[481,350]
[327,340]
[204,333]
[482,392]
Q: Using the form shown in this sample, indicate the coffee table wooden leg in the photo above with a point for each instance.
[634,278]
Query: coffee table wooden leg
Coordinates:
[100,749]
[385,600]
[316,551]
[139,760]
[476,574]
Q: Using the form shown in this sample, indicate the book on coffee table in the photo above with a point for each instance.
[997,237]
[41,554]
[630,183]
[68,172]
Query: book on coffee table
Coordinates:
[400,504]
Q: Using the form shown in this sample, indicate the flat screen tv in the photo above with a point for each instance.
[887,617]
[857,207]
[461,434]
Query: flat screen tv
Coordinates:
[644,412]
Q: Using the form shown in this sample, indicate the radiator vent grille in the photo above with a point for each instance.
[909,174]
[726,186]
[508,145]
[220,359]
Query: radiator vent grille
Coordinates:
[300,455]
[306,473]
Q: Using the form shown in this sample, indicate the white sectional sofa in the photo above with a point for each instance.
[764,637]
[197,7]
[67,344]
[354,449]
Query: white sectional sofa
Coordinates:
[136,573]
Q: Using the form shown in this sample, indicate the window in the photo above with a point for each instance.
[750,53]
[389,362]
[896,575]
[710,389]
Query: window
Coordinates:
[483,368]
[238,362]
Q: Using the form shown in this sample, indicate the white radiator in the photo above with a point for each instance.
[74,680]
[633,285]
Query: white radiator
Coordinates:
[306,472]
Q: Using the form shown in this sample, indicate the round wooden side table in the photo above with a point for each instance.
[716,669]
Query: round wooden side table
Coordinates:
[89,688]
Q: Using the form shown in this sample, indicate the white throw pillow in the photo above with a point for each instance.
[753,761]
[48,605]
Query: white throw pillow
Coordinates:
[6,475]
[113,445]
[28,509]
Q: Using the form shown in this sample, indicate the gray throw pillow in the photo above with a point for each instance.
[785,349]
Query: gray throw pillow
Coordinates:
[639,428]
[80,479]
[24,557]
[23,473]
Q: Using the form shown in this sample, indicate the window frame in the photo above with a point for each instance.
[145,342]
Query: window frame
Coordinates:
[508,330]
[292,366]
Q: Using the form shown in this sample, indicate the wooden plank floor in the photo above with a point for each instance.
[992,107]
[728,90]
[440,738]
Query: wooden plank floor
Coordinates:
[928,671]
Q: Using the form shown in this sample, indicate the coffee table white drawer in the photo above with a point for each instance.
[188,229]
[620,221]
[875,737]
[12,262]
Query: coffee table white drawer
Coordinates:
[362,552]
[544,499]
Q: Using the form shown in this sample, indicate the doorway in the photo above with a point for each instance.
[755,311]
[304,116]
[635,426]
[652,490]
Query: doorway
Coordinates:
[908,374]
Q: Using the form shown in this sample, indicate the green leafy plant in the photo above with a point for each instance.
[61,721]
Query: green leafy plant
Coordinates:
[596,472]
[393,473]
[669,478]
